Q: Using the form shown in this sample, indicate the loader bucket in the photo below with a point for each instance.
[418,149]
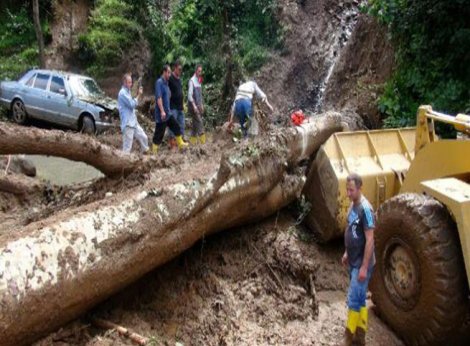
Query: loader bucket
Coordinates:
[381,157]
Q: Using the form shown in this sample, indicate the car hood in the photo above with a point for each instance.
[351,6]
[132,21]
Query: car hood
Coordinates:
[105,102]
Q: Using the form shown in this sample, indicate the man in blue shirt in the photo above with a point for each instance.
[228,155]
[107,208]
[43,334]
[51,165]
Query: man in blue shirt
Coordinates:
[359,257]
[129,125]
[163,117]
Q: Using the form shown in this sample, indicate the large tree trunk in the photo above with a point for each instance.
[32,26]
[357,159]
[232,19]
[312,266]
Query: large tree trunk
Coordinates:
[39,36]
[16,139]
[56,269]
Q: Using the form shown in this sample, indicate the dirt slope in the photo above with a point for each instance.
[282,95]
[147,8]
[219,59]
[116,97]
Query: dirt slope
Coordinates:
[266,284]
[365,64]
[335,58]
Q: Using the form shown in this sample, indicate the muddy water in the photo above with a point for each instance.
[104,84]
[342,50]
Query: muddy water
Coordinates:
[61,171]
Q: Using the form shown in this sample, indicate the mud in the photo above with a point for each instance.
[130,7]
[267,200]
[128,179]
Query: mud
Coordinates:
[266,284]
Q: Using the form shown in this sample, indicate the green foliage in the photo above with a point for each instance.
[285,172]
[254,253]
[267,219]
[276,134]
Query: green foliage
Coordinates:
[205,31]
[231,39]
[112,30]
[432,38]
[18,48]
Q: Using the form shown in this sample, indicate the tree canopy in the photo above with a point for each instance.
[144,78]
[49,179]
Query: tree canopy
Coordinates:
[432,40]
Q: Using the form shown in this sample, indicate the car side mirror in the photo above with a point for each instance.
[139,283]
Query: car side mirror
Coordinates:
[62,91]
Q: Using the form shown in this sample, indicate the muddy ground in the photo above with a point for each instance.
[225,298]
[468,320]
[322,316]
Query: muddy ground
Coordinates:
[265,284]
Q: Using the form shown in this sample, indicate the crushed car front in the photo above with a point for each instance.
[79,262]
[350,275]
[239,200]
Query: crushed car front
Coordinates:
[103,108]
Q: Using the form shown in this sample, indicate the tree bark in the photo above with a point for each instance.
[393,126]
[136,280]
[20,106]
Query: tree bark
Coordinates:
[56,269]
[39,36]
[77,147]
[19,184]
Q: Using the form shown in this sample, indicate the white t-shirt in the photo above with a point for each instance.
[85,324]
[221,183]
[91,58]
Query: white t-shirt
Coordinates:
[248,89]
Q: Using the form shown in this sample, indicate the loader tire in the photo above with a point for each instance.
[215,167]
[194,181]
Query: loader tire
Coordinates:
[419,285]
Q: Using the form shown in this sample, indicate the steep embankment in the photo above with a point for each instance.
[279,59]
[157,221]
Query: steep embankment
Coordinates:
[335,58]
[365,64]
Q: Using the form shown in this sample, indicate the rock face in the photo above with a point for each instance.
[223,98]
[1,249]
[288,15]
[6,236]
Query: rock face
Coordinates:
[366,63]
[315,33]
[55,269]
[70,20]
[334,59]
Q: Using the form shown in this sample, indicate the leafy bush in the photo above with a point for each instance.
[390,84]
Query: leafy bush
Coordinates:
[16,31]
[112,30]
[229,38]
[432,39]
[18,48]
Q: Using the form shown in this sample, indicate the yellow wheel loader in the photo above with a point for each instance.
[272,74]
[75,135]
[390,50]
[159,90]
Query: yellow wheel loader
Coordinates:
[420,187]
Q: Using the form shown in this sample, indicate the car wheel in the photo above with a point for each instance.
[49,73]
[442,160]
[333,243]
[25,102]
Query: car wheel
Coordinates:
[18,112]
[88,125]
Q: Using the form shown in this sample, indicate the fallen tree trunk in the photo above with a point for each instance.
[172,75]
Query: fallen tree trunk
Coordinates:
[59,268]
[19,184]
[16,139]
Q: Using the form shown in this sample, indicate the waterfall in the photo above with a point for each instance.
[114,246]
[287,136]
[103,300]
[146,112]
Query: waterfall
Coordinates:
[348,20]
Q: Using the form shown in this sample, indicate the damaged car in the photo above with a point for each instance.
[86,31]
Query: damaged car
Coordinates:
[66,99]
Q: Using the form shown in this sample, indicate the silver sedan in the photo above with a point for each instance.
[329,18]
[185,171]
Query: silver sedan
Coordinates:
[62,98]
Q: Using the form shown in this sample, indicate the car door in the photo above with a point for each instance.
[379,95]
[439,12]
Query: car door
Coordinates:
[25,91]
[59,104]
[38,101]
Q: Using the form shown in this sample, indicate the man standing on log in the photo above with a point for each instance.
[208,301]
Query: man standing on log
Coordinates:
[359,257]
[129,125]
[242,107]
[162,113]
[176,100]
[196,107]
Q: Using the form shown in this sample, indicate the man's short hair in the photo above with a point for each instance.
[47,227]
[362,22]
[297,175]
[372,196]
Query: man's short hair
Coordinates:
[166,68]
[125,76]
[176,64]
[356,178]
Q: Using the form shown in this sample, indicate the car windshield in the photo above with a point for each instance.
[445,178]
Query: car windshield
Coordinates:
[84,87]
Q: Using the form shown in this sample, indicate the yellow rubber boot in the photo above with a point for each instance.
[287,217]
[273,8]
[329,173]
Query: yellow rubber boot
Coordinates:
[154,148]
[362,326]
[363,318]
[202,138]
[351,326]
[193,140]
[181,144]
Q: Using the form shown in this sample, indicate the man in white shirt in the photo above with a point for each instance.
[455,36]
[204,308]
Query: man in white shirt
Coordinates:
[129,125]
[242,107]
[196,107]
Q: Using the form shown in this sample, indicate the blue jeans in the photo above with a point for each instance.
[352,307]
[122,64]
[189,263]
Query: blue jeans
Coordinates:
[179,117]
[357,292]
[243,112]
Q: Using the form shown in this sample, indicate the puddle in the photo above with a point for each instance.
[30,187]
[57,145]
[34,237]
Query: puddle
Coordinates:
[60,171]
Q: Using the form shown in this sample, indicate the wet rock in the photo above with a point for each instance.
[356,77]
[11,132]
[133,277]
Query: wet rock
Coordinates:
[18,164]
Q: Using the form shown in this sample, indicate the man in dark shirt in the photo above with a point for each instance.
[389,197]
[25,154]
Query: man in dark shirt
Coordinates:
[162,112]
[359,257]
[176,100]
